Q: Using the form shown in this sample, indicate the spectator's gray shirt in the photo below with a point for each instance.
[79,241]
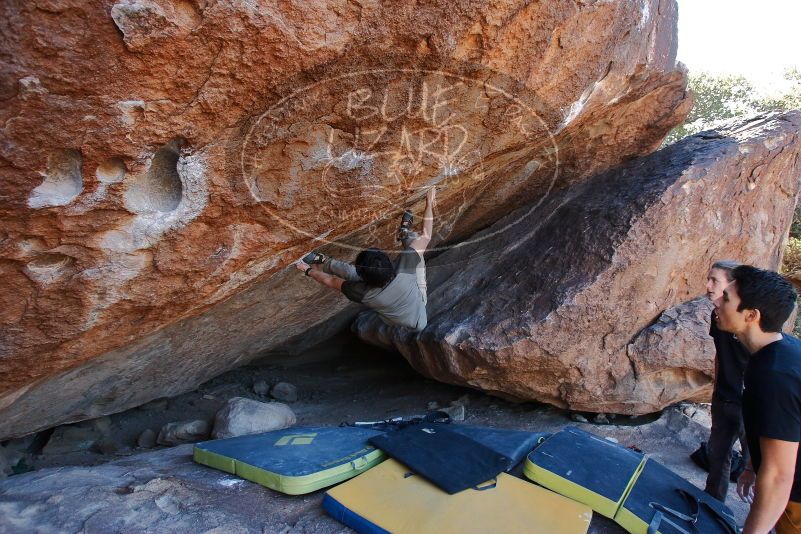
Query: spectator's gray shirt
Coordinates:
[399,302]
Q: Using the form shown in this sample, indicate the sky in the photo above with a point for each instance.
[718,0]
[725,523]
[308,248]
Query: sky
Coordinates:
[756,38]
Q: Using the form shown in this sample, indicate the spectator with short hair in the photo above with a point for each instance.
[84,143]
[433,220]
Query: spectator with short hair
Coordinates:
[731,359]
[754,307]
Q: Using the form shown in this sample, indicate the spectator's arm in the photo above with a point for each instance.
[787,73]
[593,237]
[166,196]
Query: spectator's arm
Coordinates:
[773,484]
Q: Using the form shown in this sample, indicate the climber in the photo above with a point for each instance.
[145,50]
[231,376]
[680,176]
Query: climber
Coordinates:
[396,292]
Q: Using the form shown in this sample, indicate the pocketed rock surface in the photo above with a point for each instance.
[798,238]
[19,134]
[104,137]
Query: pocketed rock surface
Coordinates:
[564,307]
[164,491]
[164,163]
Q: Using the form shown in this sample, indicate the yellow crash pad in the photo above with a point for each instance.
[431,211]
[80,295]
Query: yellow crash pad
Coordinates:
[391,498]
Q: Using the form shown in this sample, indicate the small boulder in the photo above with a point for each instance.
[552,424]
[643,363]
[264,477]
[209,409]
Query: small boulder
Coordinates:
[284,391]
[5,464]
[100,425]
[261,388]
[464,400]
[432,405]
[70,438]
[456,412]
[577,417]
[242,416]
[147,439]
[156,405]
[179,432]
[601,419]
[106,446]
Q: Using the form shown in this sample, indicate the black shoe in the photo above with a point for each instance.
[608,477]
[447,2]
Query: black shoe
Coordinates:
[406,225]
[314,257]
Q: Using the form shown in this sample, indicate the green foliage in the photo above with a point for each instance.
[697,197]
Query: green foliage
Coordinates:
[791,264]
[791,268]
[795,227]
[791,99]
[718,98]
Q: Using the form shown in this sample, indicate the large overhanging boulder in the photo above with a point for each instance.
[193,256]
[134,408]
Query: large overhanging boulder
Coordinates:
[164,162]
[562,305]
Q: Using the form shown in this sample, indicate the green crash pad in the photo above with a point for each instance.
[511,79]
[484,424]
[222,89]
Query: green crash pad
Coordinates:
[635,491]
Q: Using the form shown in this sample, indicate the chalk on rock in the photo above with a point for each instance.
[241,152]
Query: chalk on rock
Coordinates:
[261,388]
[242,416]
[147,439]
[183,432]
[284,391]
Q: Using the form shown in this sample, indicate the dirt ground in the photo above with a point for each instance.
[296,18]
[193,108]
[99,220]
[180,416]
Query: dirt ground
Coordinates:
[342,380]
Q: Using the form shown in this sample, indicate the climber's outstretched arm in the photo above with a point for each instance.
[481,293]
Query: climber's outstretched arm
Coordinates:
[421,243]
[328,280]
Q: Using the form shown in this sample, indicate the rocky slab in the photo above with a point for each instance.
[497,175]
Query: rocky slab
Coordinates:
[163,164]
[563,303]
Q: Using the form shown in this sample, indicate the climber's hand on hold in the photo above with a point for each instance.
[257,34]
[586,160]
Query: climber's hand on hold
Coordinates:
[431,195]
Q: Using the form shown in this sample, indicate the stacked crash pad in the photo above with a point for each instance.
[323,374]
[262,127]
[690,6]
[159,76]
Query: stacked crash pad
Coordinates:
[637,492]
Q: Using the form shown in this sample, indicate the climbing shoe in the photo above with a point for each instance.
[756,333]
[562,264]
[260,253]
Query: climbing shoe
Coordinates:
[406,225]
[314,257]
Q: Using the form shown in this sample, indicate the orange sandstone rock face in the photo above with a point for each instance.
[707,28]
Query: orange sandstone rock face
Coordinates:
[567,308]
[165,161]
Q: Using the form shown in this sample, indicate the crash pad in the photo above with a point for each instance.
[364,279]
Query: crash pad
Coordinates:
[638,493]
[586,468]
[294,460]
[390,498]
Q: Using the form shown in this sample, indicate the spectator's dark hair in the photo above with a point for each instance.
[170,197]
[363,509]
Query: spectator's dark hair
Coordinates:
[374,267]
[767,292]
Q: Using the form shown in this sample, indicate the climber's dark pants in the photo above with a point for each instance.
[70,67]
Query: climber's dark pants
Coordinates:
[727,427]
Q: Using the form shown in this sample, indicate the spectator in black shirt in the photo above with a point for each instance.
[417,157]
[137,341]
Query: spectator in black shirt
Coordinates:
[754,307]
[727,419]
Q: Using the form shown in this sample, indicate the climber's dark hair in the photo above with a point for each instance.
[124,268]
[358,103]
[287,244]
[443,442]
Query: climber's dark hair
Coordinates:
[374,267]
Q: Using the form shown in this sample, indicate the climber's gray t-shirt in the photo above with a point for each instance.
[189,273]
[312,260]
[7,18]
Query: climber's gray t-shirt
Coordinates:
[401,301]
